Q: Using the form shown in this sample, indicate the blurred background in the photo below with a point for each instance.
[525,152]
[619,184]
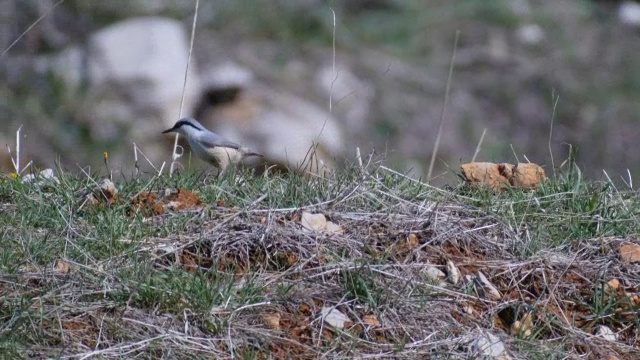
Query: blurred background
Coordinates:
[93,76]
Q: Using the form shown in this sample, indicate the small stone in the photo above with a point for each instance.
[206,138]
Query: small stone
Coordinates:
[313,222]
[490,291]
[612,285]
[318,222]
[272,320]
[606,333]
[435,274]
[107,191]
[453,274]
[46,176]
[371,320]
[558,259]
[630,253]
[468,309]
[334,317]
[489,346]
[333,228]
[634,298]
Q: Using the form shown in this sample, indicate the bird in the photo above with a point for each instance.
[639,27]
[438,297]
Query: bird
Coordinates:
[209,146]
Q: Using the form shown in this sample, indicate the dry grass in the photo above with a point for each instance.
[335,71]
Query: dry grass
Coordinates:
[248,281]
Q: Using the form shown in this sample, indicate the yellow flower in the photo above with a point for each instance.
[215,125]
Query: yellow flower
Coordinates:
[106,155]
[11,176]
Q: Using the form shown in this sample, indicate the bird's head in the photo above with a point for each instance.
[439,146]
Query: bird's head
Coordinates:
[186,126]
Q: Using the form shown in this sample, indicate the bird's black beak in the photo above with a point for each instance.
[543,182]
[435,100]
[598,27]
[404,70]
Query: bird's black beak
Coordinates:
[169,130]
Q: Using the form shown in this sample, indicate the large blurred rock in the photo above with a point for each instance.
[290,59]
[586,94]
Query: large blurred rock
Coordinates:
[135,7]
[281,126]
[134,75]
[351,97]
[149,55]
[629,13]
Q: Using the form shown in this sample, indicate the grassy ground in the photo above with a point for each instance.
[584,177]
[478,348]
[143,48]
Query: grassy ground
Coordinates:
[239,276]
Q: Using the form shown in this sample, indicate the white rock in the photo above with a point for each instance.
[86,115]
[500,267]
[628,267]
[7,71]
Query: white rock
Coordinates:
[48,174]
[490,291]
[313,222]
[530,34]
[333,228]
[281,126]
[227,75]
[434,274]
[351,97]
[135,73]
[558,259]
[606,333]
[490,346]
[468,309]
[629,13]
[44,177]
[150,54]
[318,222]
[334,317]
[453,274]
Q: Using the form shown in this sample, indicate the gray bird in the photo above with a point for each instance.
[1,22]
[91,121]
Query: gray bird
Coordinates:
[209,146]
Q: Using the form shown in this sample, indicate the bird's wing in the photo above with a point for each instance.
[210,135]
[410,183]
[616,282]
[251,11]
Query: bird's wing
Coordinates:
[219,141]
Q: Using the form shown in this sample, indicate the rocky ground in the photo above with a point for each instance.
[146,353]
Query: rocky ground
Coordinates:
[366,263]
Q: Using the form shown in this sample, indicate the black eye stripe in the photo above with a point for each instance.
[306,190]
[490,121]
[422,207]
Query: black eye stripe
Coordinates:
[182,123]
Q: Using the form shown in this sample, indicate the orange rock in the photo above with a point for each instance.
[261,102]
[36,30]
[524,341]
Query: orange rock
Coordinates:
[527,176]
[62,267]
[630,252]
[371,320]
[272,320]
[506,170]
[499,176]
[613,285]
[484,174]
